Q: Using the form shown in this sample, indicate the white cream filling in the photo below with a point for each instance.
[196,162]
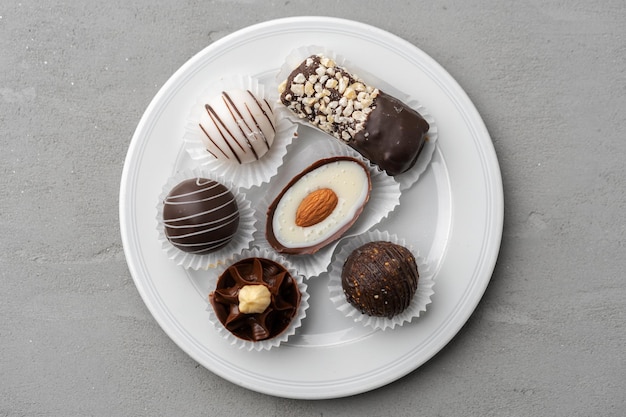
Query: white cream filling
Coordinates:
[347,179]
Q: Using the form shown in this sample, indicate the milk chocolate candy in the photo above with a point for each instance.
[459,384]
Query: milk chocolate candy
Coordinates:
[380,127]
[278,312]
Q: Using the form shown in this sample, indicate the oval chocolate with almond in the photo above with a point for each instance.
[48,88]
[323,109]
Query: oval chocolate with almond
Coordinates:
[318,205]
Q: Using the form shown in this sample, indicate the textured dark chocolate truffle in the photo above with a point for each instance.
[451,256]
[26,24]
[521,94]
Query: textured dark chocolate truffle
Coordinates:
[380,278]
[200,216]
[285,299]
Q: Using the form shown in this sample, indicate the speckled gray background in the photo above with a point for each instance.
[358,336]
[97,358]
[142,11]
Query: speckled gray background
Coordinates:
[548,77]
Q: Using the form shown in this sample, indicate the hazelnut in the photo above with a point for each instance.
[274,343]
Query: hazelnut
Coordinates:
[254,298]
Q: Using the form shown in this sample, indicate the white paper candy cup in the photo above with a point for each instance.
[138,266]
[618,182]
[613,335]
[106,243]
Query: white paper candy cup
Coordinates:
[296,322]
[247,174]
[295,58]
[384,198]
[418,304]
[241,240]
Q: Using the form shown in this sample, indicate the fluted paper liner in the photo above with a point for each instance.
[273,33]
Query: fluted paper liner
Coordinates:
[241,240]
[296,322]
[383,199]
[418,304]
[249,174]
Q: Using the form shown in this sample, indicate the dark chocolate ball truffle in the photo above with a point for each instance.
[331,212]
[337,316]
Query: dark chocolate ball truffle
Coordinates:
[200,216]
[380,278]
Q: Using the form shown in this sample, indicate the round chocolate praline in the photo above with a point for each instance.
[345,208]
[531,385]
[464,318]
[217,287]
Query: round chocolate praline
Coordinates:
[380,278]
[200,216]
[285,299]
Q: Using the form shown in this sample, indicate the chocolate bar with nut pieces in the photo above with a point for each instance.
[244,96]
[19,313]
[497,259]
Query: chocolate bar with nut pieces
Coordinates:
[378,126]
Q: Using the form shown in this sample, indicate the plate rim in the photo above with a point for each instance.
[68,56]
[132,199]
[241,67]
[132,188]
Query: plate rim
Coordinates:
[495,180]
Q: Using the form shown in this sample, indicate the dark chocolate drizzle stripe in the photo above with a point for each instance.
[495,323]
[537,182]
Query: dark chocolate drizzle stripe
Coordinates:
[216,119]
[245,129]
[233,107]
[269,119]
[210,139]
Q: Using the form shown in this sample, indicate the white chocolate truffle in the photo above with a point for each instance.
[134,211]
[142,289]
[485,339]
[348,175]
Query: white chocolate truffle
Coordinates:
[238,126]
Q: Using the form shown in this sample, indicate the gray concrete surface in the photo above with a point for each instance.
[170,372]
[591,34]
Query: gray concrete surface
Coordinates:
[549,79]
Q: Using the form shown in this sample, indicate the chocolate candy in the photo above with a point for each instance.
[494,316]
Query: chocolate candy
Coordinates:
[380,278]
[277,314]
[318,205]
[377,125]
[200,216]
[238,126]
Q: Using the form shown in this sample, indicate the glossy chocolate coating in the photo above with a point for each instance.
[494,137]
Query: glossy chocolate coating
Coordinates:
[200,216]
[393,137]
[311,249]
[380,279]
[285,299]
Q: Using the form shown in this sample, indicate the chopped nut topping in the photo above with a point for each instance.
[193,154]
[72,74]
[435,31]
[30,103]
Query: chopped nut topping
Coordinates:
[308,88]
[329,97]
[297,89]
[299,78]
[282,87]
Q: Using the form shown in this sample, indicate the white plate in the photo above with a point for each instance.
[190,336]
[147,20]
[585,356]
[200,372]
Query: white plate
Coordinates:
[453,215]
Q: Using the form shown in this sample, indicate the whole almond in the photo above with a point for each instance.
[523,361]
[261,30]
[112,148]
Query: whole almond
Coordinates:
[315,207]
